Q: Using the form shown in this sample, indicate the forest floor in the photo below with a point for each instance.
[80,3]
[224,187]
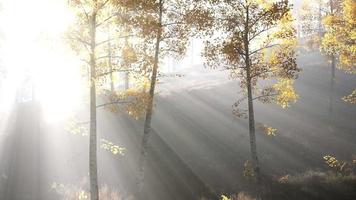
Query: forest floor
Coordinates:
[197,147]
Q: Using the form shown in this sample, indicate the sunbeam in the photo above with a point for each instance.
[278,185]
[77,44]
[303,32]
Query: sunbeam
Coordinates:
[37,59]
[181,100]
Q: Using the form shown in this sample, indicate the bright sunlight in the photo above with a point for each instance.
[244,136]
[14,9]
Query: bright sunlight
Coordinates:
[177,100]
[33,44]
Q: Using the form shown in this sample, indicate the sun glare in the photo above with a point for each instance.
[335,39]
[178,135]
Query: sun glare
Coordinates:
[34,49]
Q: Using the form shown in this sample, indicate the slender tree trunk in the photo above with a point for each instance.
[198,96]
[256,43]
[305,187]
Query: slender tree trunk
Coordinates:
[127,80]
[333,66]
[320,18]
[251,114]
[149,109]
[112,84]
[332,85]
[251,123]
[332,81]
[93,171]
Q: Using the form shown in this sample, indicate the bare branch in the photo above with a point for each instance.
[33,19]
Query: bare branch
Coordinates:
[112,103]
[85,12]
[263,96]
[259,74]
[79,40]
[262,48]
[112,71]
[234,68]
[107,56]
[105,20]
[260,32]
[102,5]
[241,53]
[108,40]
[174,11]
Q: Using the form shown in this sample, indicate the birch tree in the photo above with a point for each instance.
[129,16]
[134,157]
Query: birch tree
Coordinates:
[99,49]
[255,40]
[339,39]
[310,22]
[310,19]
[164,27]
[85,40]
[313,28]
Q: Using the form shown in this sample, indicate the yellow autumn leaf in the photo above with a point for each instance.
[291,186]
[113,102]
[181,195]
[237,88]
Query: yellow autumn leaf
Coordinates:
[83,195]
[286,92]
[223,197]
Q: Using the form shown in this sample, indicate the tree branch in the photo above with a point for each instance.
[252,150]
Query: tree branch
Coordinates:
[112,103]
[258,74]
[107,73]
[105,20]
[262,48]
[85,12]
[262,96]
[102,5]
[260,32]
[119,37]
[79,40]
[107,56]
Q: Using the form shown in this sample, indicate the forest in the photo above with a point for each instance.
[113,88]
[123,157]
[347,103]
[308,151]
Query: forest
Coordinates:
[178,100]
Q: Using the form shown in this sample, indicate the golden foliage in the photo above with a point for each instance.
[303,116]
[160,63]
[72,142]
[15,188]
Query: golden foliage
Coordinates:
[77,128]
[340,36]
[128,54]
[135,101]
[340,39]
[239,196]
[268,130]
[340,167]
[260,47]
[331,161]
[83,195]
[77,191]
[286,93]
[114,149]
[181,19]
[223,197]
[105,46]
[137,107]
[271,131]
[309,21]
[74,127]
[351,98]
